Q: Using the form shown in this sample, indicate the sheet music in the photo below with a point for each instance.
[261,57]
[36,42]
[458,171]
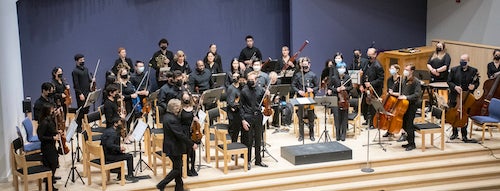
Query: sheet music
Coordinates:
[201,117]
[303,100]
[139,130]
[354,74]
[71,130]
[264,119]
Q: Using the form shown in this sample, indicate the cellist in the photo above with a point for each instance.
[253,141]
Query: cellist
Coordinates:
[461,78]
[410,90]
[340,83]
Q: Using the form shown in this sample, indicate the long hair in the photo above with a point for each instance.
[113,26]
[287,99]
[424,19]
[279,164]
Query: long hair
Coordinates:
[46,111]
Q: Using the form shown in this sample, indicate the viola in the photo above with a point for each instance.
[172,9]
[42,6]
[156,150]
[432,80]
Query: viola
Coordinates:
[343,97]
[60,125]
[67,100]
[196,134]
[267,106]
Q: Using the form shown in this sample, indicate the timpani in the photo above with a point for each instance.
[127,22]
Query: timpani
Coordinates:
[441,88]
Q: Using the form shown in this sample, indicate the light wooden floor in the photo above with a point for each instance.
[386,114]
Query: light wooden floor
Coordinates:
[275,140]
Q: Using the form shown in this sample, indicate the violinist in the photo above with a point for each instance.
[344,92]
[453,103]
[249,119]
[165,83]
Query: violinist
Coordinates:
[327,72]
[304,83]
[233,106]
[250,98]
[494,66]
[122,61]
[130,96]
[461,78]
[340,83]
[60,86]
[211,65]
[161,62]
[136,79]
[358,63]
[372,79]
[411,91]
[212,48]
[46,98]
[110,107]
[48,135]
[188,116]
[81,83]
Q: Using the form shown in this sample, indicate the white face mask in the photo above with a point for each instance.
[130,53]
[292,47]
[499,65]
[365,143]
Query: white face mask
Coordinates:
[140,69]
[256,68]
[392,71]
[341,70]
[338,60]
[406,73]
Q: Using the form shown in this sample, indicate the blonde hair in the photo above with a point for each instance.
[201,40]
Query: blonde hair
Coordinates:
[179,53]
[173,104]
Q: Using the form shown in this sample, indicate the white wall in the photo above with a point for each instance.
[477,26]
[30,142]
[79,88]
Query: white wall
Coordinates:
[475,21]
[11,82]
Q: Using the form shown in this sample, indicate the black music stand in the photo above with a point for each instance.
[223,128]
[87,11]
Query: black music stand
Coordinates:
[211,96]
[380,109]
[326,101]
[219,80]
[138,134]
[69,138]
[303,101]
[279,90]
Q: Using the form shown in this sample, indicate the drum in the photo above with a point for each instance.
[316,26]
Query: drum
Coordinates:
[441,88]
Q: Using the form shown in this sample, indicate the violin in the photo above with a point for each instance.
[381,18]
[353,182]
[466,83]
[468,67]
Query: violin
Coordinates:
[60,125]
[123,111]
[267,106]
[93,84]
[343,97]
[67,99]
[196,134]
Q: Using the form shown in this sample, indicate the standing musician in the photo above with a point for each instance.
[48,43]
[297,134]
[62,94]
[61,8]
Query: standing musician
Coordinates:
[217,58]
[411,91]
[110,108]
[46,97]
[494,66]
[340,83]
[171,90]
[250,101]
[391,81]
[439,63]
[130,96]
[305,82]
[114,152]
[180,63]
[161,62]
[233,106]
[188,117]
[175,142]
[61,88]
[327,71]
[373,79]
[358,63]
[461,79]
[48,135]
[137,77]
[81,82]
[200,80]
[249,54]
[122,61]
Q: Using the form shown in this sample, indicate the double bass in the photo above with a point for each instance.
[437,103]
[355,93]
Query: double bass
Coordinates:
[458,115]
[490,90]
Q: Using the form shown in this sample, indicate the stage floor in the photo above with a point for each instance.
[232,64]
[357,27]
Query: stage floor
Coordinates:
[392,150]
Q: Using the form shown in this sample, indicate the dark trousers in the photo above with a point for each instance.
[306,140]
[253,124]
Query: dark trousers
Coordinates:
[309,114]
[253,137]
[82,112]
[463,131]
[120,157]
[234,126]
[175,173]
[408,125]
[340,119]
[276,115]
[191,157]
[50,159]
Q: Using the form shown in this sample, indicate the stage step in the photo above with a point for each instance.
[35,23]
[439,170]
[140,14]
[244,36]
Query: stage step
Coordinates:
[330,180]
[483,185]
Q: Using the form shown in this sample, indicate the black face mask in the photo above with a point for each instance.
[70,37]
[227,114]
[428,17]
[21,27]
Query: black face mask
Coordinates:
[242,84]
[82,63]
[356,56]
[51,95]
[251,84]
[59,75]
[438,49]
[305,67]
[178,83]
[497,57]
[163,47]
[235,80]
[186,101]
[124,76]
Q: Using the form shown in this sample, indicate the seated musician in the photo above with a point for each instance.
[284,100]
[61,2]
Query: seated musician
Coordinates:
[411,91]
[305,82]
[394,71]
[201,79]
[340,83]
[273,77]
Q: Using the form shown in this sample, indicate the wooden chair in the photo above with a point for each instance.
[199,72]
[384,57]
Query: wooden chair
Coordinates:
[93,132]
[28,171]
[212,122]
[490,121]
[433,127]
[354,118]
[85,151]
[157,153]
[228,150]
[99,162]
[31,159]
[420,117]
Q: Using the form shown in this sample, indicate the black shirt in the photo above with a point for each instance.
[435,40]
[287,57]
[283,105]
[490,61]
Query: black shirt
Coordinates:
[492,69]
[247,54]
[58,91]
[186,121]
[37,109]
[184,68]
[412,89]
[310,80]
[282,62]
[233,108]
[136,79]
[391,82]
[217,60]
[202,80]
[250,99]
[81,81]
[154,64]
[175,140]
[374,73]
[336,81]
[438,63]
[110,142]
[127,90]
[110,112]
[357,64]
[119,61]
[168,92]
[215,69]
[46,132]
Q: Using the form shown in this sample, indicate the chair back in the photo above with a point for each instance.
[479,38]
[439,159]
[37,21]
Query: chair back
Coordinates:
[94,116]
[20,161]
[97,151]
[494,108]
[213,115]
[157,142]
[28,125]
[220,138]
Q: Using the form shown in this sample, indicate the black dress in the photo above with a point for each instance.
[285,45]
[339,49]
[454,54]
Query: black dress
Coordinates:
[46,132]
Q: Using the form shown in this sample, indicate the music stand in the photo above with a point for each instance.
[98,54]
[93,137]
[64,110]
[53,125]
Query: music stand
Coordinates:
[279,90]
[303,101]
[137,134]
[211,96]
[219,79]
[91,99]
[380,109]
[69,138]
[151,99]
[326,101]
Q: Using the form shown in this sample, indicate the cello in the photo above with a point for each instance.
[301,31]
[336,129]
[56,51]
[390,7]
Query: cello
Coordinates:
[457,116]
[382,120]
[490,90]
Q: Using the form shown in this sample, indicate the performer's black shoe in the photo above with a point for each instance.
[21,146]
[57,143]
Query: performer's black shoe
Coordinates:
[405,145]
[159,187]
[454,136]
[312,138]
[57,178]
[249,166]
[301,138]
[466,140]
[194,172]
[131,179]
[410,147]
[402,138]
[261,164]
[387,134]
